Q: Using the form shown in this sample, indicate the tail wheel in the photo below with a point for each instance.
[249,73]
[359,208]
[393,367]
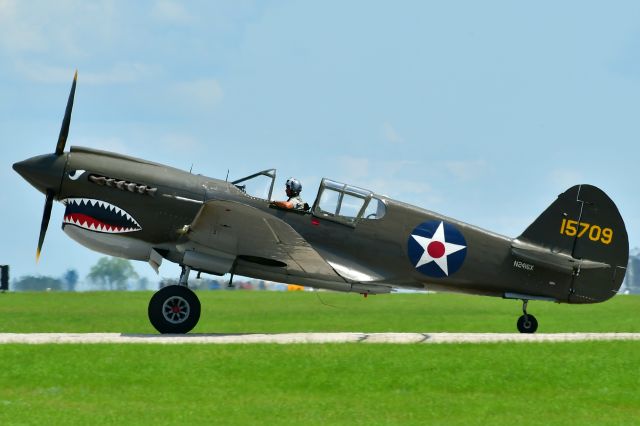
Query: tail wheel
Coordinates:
[174,310]
[527,324]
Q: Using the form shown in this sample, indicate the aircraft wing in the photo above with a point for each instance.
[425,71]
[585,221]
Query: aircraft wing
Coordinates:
[257,239]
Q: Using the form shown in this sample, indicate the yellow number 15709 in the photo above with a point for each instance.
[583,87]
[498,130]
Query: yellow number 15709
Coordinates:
[573,228]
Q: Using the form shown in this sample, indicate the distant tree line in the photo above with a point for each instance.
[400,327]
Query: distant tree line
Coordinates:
[109,273]
[67,282]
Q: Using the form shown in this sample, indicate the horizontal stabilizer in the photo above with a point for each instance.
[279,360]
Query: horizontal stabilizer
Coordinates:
[559,261]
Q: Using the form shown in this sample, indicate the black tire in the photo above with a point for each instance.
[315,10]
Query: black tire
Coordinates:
[527,324]
[174,310]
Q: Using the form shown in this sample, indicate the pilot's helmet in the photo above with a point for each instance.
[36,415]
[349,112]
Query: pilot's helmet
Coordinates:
[294,186]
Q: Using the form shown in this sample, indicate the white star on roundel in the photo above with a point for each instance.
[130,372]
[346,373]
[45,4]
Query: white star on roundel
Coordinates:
[436,249]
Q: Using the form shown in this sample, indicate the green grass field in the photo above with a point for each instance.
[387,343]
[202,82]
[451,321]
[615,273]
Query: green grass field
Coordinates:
[271,312]
[556,383]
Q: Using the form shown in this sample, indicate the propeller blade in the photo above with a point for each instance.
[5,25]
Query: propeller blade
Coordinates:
[66,121]
[46,215]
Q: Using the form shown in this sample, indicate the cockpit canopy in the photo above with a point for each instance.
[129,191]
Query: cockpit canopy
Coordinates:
[335,201]
[345,203]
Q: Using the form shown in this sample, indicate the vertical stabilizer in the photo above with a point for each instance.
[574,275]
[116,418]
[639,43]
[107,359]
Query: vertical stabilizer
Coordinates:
[585,224]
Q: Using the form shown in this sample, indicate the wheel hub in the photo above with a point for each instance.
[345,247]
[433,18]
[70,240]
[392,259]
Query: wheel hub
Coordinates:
[175,309]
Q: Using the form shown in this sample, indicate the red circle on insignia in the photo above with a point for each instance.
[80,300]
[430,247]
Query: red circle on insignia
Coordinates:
[435,249]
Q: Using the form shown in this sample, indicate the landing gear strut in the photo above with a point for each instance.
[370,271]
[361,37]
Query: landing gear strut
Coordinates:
[527,323]
[184,276]
[175,309]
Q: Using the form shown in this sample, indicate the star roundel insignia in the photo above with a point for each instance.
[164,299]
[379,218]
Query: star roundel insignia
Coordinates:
[436,248]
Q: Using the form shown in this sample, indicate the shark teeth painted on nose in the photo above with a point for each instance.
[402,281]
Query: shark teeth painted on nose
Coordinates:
[98,216]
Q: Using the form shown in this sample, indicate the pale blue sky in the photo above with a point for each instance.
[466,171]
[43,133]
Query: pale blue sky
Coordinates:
[484,111]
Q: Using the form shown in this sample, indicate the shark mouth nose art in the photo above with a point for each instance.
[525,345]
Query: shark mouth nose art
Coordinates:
[99,216]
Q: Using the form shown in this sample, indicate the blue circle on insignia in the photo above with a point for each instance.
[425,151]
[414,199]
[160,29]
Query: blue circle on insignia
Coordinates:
[437,249]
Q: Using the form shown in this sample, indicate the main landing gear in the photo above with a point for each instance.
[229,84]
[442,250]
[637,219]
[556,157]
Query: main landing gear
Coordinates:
[527,323]
[175,309]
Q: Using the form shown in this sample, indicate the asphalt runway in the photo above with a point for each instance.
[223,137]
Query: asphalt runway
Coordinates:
[307,338]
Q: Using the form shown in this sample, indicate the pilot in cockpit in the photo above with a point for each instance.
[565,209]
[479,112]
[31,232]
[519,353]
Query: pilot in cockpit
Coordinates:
[293,188]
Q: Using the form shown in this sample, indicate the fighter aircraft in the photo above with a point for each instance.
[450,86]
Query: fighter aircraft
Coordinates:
[350,239]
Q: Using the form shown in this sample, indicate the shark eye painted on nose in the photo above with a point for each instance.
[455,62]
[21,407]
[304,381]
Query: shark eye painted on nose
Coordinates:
[75,174]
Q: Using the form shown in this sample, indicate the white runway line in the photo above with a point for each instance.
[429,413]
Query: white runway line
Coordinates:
[299,338]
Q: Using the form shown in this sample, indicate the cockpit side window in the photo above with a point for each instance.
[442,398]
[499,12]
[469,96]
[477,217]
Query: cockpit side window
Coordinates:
[329,201]
[351,206]
[375,209]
